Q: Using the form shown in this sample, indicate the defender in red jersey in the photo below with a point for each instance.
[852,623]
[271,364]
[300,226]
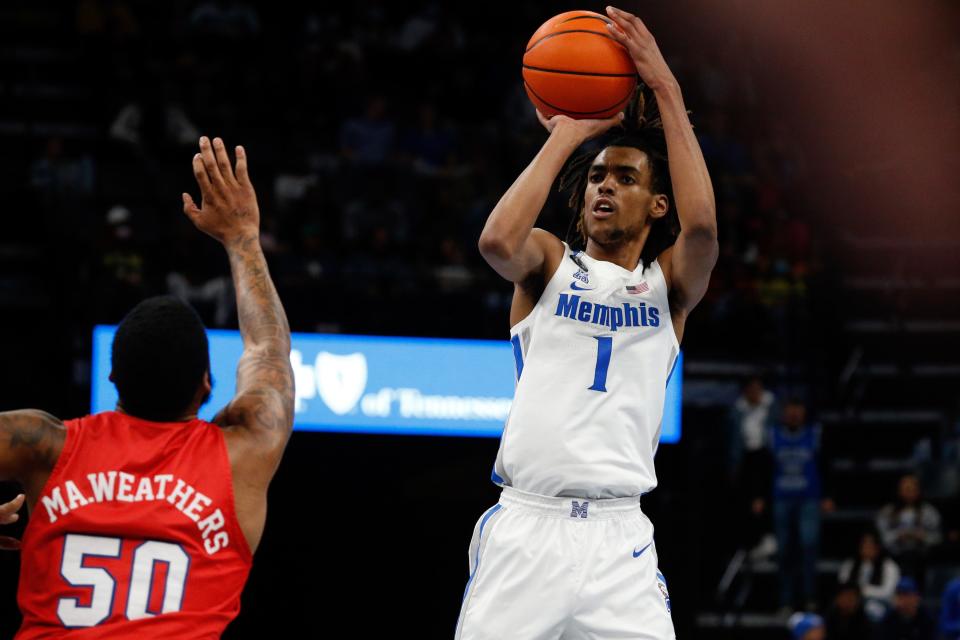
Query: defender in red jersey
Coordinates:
[144,519]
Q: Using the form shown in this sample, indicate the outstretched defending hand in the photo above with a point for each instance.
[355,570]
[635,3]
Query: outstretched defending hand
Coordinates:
[9,515]
[228,210]
[629,30]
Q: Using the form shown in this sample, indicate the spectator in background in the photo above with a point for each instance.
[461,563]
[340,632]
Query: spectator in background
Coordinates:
[846,619]
[950,611]
[794,446]
[121,279]
[429,144]
[155,119]
[57,174]
[908,620]
[910,527]
[225,19]
[368,140]
[875,573]
[806,626]
[751,419]
[216,292]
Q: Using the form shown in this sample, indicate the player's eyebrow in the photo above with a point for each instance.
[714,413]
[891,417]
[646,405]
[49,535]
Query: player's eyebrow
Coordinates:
[622,168]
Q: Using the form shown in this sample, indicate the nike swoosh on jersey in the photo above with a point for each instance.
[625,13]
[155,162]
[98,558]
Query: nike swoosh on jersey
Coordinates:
[637,554]
[574,286]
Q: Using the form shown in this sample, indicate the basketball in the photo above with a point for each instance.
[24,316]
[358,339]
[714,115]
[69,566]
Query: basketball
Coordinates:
[573,66]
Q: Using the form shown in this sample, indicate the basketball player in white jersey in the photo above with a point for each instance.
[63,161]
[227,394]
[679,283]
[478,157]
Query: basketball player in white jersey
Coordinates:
[567,552]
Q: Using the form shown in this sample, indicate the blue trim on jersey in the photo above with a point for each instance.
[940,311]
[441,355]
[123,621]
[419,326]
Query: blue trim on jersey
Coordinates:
[495,476]
[476,565]
[673,368]
[517,354]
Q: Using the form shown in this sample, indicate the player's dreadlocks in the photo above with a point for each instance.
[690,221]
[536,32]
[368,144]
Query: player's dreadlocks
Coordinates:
[643,130]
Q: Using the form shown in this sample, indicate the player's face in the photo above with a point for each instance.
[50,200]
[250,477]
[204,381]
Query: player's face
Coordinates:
[794,415]
[909,489]
[815,634]
[618,204]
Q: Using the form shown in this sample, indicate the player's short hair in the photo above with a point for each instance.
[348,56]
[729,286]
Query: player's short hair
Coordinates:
[159,357]
[641,130]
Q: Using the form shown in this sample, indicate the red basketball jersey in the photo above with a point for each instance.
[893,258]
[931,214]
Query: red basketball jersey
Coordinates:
[135,535]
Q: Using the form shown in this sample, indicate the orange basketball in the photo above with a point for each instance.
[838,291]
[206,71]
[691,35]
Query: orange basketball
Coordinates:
[574,67]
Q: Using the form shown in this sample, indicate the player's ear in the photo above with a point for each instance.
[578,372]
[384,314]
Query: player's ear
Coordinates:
[660,206]
[207,387]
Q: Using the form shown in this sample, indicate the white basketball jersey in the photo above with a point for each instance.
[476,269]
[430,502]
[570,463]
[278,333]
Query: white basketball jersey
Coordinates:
[593,359]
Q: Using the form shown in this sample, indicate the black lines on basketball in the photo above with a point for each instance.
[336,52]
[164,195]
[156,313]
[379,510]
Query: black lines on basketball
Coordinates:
[600,18]
[560,33]
[580,73]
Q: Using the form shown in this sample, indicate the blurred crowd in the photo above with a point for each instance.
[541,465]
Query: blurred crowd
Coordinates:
[906,550]
[380,137]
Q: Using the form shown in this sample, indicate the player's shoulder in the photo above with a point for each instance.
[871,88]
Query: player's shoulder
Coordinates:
[553,250]
[550,243]
[32,425]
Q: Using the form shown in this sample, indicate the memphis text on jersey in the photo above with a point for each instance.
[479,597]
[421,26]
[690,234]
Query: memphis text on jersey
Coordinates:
[625,315]
[119,486]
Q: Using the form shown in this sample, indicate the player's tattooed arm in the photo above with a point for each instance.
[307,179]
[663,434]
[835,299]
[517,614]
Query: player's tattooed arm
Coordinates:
[30,443]
[263,405]
[695,252]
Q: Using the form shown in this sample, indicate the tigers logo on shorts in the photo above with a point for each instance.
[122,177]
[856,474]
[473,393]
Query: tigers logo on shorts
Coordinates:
[666,596]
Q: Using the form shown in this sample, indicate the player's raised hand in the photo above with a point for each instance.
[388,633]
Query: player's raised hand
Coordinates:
[583,129]
[629,30]
[9,515]
[228,210]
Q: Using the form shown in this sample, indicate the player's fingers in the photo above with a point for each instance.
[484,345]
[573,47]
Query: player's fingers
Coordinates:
[9,544]
[242,176]
[190,207]
[8,510]
[223,160]
[210,164]
[543,119]
[623,20]
[617,33]
[203,179]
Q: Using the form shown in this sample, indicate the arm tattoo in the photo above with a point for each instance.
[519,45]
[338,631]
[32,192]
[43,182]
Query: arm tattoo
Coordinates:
[30,441]
[264,375]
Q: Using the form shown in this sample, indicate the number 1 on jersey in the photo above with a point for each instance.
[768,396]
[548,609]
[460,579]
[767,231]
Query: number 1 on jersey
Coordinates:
[604,349]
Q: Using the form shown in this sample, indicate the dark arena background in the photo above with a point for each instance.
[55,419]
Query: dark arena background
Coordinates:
[380,135]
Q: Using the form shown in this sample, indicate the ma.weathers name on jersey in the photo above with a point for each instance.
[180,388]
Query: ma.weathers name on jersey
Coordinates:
[572,306]
[120,486]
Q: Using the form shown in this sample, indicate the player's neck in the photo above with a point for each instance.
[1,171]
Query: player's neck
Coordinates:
[625,255]
[187,417]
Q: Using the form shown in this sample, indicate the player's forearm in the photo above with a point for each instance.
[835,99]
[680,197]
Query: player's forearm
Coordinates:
[263,322]
[692,188]
[513,218]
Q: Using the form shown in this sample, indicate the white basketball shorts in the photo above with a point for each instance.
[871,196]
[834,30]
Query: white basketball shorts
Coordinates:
[546,568]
